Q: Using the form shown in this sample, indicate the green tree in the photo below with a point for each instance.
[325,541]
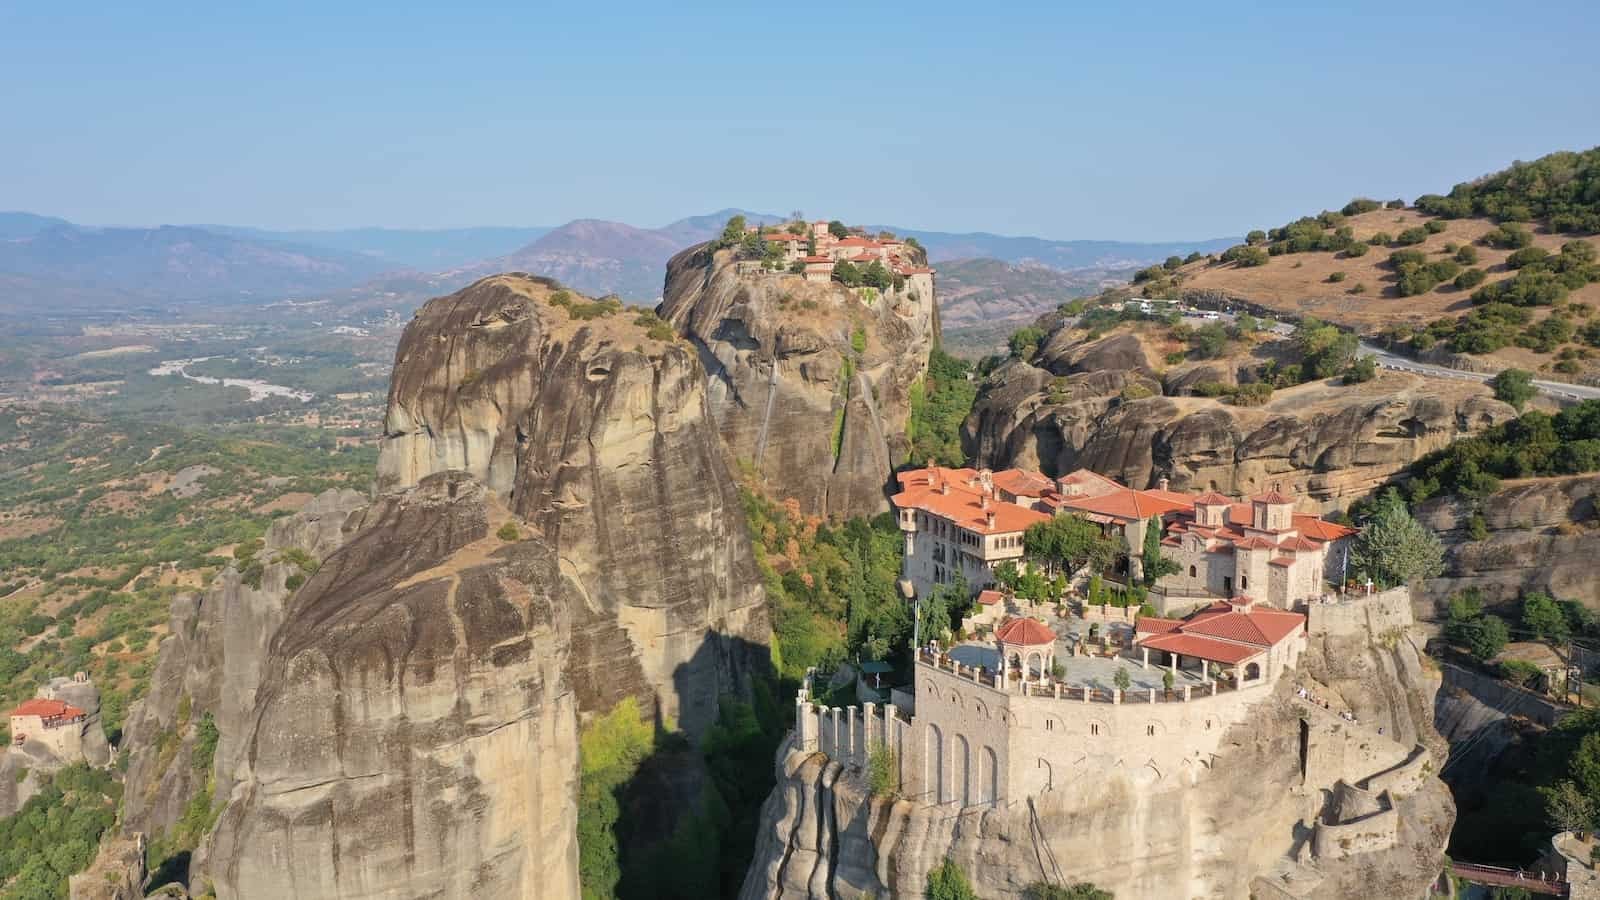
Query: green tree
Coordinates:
[1568,807]
[732,233]
[883,771]
[1122,679]
[845,272]
[1360,370]
[1173,263]
[1024,342]
[1256,236]
[1155,563]
[1394,548]
[1069,542]
[1209,341]
[837,229]
[1514,386]
[948,882]
[1543,616]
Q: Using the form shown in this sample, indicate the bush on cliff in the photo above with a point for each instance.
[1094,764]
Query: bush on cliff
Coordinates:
[55,833]
[948,882]
[1083,890]
[940,402]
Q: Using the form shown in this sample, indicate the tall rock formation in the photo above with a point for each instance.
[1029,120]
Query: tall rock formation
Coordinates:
[1100,404]
[414,732]
[809,383]
[597,435]
[557,530]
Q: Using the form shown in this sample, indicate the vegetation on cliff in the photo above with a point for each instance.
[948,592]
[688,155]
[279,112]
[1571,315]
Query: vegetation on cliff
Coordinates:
[940,402]
[55,833]
[1534,444]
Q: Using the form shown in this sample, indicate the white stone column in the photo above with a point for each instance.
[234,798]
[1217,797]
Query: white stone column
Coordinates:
[1186,693]
[850,747]
[1145,663]
[1172,660]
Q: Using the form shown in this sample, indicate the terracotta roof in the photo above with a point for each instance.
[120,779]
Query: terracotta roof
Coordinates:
[1091,484]
[1254,543]
[1022,483]
[818,259]
[1300,543]
[1212,498]
[1154,625]
[863,257]
[857,242]
[1261,626]
[1027,632]
[47,709]
[989,598]
[1272,497]
[1282,562]
[963,505]
[1202,647]
[1320,529]
[1127,503]
[784,236]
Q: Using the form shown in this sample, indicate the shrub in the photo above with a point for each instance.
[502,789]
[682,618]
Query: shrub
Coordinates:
[1136,391]
[1193,257]
[1256,236]
[1396,204]
[883,772]
[1172,263]
[948,882]
[508,532]
[1509,237]
[1246,255]
[1252,394]
[1358,289]
[1361,370]
[1361,205]
[1411,236]
[1467,255]
[1513,386]
[1356,249]
[1381,239]
[1433,226]
[1470,279]
[1527,256]
[1336,277]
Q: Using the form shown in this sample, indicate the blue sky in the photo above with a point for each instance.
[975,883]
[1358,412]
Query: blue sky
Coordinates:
[1131,121]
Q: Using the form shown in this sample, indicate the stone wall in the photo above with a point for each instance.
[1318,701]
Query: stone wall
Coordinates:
[1360,614]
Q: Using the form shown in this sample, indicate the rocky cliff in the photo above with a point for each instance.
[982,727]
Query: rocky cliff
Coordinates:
[809,383]
[1105,404]
[1541,534]
[414,732]
[596,434]
[1245,826]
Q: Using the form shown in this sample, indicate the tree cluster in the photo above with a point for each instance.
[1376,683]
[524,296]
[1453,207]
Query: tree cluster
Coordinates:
[1561,189]
[1536,443]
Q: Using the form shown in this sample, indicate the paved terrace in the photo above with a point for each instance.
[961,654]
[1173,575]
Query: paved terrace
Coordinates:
[1095,676]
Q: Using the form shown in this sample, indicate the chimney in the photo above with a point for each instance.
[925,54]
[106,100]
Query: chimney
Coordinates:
[1162,484]
[944,487]
[990,518]
[983,503]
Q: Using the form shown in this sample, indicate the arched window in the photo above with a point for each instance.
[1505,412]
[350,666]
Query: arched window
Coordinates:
[1252,672]
[1244,582]
[1150,730]
[1094,728]
[1192,571]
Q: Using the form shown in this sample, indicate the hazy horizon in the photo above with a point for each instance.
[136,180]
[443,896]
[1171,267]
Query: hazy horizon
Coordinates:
[1041,122]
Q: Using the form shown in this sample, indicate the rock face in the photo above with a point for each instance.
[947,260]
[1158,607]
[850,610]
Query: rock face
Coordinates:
[212,663]
[809,383]
[598,436]
[414,732]
[1078,407]
[1543,534]
[1246,826]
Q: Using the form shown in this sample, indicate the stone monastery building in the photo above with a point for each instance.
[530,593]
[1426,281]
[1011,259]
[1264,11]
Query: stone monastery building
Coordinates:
[965,522]
[858,249]
[49,723]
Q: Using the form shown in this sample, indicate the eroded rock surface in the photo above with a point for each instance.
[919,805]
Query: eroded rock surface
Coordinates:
[414,732]
[598,436]
[1542,534]
[1099,405]
[809,383]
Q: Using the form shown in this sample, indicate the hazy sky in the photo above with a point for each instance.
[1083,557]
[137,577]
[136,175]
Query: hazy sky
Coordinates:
[1065,120]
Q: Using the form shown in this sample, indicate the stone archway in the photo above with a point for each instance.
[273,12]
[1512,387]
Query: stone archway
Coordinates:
[933,765]
[961,770]
[988,776]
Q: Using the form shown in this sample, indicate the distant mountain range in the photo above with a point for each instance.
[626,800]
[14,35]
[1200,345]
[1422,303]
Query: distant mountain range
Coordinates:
[47,261]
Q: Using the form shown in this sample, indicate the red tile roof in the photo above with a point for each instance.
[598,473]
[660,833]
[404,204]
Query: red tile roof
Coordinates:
[989,598]
[1202,647]
[1027,632]
[1212,498]
[1021,483]
[819,259]
[857,242]
[1282,562]
[1320,529]
[1154,625]
[963,505]
[1128,504]
[1263,626]
[1273,496]
[47,709]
